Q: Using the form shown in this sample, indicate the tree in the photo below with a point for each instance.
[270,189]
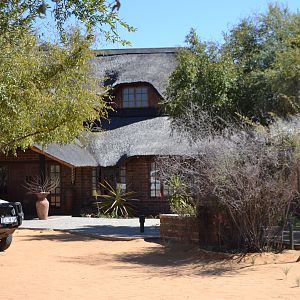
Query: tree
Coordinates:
[46,94]
[47,91]
[94,15]
[253,74]
[202,77]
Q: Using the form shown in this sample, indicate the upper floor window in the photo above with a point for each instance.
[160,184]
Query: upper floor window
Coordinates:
[135,97]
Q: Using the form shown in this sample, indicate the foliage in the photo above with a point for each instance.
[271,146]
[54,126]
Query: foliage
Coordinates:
[47,91]
[202,76]
[253,74]
[116,203]
[249,172]
[180,201]
[94,15]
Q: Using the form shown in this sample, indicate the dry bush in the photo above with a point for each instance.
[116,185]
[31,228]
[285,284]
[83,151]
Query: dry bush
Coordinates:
[248,171]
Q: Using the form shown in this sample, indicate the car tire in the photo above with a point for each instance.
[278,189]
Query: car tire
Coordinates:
[5,242]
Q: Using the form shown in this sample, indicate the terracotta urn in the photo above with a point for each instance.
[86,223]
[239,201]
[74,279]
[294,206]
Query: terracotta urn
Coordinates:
[42,205]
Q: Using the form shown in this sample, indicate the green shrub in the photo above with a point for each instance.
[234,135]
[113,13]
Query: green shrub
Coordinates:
[181,201]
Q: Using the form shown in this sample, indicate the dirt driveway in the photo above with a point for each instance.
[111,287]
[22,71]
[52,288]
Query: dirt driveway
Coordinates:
[53,265]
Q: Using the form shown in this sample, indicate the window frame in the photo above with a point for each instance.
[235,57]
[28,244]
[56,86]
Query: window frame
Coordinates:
[55,194]
[160,189]
[115,176]
[137,100]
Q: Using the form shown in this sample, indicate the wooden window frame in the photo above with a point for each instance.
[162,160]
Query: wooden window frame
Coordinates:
[56,193]
[137,102]
[157,191]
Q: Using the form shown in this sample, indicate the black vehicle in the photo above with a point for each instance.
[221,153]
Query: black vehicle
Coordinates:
[11,217]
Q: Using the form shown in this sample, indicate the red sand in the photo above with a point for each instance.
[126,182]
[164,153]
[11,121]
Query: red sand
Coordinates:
[54,265]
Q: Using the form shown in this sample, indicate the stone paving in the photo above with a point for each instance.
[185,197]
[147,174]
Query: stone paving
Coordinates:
[104,228]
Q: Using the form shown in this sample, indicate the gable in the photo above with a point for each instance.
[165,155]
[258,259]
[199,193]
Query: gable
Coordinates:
[153,66]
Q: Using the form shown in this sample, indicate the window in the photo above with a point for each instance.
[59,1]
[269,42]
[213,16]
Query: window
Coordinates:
[135,97]
[95,180]
[121,180]
[55,200]
[155,185]
[157,188]
[115,176]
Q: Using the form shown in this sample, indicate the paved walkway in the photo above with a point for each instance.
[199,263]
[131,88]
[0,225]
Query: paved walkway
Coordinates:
[113,229]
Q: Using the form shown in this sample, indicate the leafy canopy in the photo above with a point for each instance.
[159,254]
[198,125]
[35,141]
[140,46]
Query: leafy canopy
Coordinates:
[255,73]
[94,15]
[46,92]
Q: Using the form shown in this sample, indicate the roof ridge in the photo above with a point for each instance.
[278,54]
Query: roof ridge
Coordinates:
[128,51]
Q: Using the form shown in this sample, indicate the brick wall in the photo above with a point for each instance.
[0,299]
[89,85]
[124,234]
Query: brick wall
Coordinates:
[138,181]
[27,155]
[203,229]
[77,193]
[178,228]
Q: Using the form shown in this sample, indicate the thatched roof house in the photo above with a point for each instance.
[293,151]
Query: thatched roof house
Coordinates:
[122,152]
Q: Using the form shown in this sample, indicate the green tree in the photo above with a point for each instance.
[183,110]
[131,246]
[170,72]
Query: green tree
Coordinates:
[94,15]
[47,90]
[202,76]
[254,73]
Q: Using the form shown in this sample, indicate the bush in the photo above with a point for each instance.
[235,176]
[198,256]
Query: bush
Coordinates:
[248,171]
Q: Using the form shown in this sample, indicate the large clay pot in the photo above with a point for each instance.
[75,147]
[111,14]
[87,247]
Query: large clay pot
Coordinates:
[42,205]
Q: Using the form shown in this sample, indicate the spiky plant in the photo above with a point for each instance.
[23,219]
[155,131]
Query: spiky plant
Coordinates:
[116,202]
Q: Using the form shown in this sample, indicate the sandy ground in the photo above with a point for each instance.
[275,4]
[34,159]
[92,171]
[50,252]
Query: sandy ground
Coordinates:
[54,265]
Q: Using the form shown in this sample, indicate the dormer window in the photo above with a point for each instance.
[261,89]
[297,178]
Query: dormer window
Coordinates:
[135,97]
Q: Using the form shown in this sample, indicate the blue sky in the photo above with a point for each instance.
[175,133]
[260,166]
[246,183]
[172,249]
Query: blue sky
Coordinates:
[165,23]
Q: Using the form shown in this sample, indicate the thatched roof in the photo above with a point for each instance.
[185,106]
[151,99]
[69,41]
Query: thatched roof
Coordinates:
[145,138]
[151,65]
[73,155]
[107,148]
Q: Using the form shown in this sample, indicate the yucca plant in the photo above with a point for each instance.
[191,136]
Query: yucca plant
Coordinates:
[116,203]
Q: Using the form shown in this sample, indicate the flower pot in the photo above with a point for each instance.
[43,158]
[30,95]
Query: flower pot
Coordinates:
[42,205]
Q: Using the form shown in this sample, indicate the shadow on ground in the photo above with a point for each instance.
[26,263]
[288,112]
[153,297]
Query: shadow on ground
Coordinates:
[110,230]
[177,259]
[117,231]
[50,235]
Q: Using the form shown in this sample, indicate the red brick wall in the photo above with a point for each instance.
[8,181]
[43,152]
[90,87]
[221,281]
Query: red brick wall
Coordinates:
[180,229]
[27,155]
[202,230]
[75,195]
[138,181]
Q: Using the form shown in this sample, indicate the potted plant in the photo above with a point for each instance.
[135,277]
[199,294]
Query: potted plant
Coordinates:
[41,187]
